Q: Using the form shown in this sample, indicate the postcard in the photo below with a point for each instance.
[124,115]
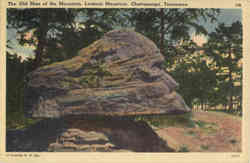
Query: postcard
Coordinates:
[124,80]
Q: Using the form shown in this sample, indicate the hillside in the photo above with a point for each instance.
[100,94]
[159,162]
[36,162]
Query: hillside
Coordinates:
[213,132]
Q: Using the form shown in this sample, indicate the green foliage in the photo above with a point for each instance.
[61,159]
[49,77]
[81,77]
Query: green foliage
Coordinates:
[209,128]
[183,148]
[166,27]
[237,112]
[204,147]
[60,33]
[182,120]
[233,141]
[201,124]
[17,120]
[225,48]
[191,133]
[197,84]
[214,76]
[94,74]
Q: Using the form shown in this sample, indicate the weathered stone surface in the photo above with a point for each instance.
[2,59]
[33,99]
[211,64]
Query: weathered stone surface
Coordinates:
[120,74]
[86,135]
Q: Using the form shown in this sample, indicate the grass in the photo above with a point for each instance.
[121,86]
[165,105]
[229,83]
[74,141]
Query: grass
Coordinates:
[17,120]
[233,141]
[183,148]
[210,131]
[181,120]
[209,128]
[204,147]
[201,124]
[229,111]
[191,133]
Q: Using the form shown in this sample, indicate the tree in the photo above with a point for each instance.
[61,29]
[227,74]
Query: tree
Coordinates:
[225,48]
[16,69]
[196,78]
[42,21]
[56,34]
[168,27]
[60,33]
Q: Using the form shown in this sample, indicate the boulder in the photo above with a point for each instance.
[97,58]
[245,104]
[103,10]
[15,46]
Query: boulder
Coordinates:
[87,103]
[119,75]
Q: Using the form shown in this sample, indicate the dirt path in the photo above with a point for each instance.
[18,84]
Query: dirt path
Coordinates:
[213,132]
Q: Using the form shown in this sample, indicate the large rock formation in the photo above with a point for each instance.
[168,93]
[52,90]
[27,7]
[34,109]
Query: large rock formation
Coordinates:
[120,74]
[115,77]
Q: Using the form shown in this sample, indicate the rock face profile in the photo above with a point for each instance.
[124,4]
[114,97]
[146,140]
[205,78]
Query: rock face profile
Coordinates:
[114,78]
[118,75]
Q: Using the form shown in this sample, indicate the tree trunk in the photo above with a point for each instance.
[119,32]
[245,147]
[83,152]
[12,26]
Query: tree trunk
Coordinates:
[41,36]
[202,105]
[162,31]
[231,83]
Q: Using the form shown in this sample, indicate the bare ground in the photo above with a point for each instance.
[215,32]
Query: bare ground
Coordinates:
[213,132]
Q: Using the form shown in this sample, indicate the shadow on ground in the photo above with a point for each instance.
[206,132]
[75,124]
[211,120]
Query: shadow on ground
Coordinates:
[86,135]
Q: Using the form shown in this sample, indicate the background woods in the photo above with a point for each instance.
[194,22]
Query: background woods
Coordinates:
[209,74]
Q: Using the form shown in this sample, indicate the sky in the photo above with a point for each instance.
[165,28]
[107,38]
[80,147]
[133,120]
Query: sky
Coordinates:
[227,16]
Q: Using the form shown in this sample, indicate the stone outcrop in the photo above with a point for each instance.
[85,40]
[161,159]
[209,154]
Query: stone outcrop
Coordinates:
[86,135]
[114,78]
[119,75]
